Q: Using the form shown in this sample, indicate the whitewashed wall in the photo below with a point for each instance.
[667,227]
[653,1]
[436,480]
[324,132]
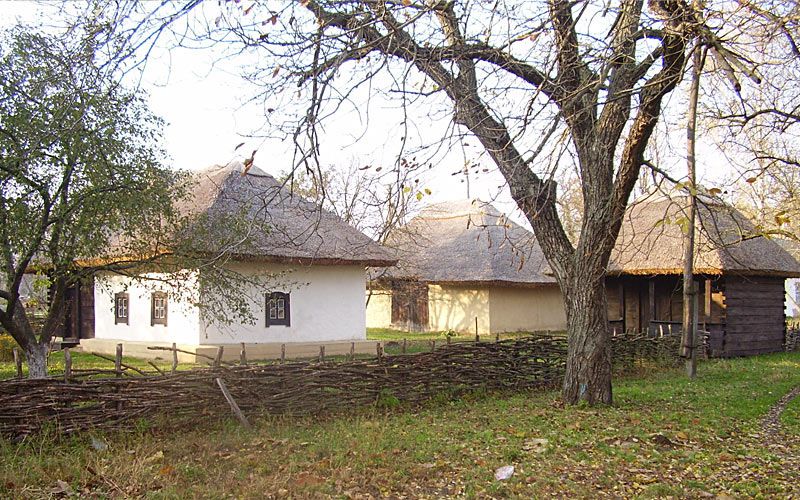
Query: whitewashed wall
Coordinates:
[183,319]
[379,309]
[327,304]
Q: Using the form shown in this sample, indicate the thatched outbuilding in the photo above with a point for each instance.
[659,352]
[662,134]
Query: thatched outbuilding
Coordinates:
[464,265]
[304,269]
[740,275]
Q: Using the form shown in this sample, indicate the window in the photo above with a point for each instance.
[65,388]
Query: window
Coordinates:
[278,309]
[158,309]
[121,308]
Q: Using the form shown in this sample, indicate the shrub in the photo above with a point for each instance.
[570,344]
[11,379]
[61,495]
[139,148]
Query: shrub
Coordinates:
[7,344]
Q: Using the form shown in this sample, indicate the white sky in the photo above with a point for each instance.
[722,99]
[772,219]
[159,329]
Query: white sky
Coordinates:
[206,119]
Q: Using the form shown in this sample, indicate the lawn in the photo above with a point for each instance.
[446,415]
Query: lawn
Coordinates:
[665,436]
[88,361]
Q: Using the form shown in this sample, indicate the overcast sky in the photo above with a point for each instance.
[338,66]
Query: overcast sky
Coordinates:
[204,103]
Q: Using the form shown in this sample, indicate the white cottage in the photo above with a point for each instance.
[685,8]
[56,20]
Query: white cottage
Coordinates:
[308,273]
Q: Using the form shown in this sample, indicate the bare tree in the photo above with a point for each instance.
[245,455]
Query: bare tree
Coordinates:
[530,81]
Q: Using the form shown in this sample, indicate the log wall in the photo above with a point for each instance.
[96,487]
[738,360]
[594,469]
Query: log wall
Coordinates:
[755,321]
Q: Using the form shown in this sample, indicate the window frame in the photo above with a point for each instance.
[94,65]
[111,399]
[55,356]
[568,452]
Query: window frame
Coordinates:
[153,319]
[287,310]
[122,320]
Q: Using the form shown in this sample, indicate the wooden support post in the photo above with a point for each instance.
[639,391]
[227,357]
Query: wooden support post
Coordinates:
[234,407]
[477,337]
[218,357]
[243,355]
[174,357]
[448,340]
[405,346]
[18,362]
[283,353]
[379,351]
[433,345]
[67,364]
[497,337]
[352,351]
[118,361]
[322,354]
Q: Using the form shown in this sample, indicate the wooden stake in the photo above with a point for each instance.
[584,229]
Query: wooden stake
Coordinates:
[174,357]
[497,337]
[448,340]
[283,353]
[433,345]
[352,351]
[118,361]
[18,362]
[477,337]
[243,355]
[67,364]
[218,358]
[234,407]
[322,354]
[405,347]
[379,349]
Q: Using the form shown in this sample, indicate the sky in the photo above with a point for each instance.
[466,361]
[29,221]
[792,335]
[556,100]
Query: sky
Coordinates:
[204,103]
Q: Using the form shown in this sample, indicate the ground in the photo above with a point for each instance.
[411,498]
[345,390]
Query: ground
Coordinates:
[665,436]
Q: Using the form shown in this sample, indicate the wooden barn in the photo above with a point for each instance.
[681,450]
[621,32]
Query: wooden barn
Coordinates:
[739,274]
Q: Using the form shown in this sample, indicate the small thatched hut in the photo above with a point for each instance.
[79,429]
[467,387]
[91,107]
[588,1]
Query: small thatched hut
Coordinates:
[740,275]
[304,269]
[464,265]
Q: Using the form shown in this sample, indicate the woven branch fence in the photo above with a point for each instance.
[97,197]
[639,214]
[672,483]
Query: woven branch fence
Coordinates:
[299,388]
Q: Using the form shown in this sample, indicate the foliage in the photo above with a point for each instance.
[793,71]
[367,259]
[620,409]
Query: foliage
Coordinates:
[7,345]
[666,436]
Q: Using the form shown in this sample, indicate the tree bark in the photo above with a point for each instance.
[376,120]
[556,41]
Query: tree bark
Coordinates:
[36,356]
[588,370]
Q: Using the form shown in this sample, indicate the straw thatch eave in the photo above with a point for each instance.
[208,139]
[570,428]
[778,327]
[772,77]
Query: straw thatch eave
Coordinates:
[281,226]
[467,242]
[651,241]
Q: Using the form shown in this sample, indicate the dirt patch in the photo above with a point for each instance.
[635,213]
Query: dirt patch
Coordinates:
[771,423]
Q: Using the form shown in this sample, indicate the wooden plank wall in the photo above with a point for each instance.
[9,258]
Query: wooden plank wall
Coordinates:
[754,316]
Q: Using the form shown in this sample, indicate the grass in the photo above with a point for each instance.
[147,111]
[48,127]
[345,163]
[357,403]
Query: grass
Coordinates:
[665,436]
[87,361]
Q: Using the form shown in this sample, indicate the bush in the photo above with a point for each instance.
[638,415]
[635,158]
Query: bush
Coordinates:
[7,344]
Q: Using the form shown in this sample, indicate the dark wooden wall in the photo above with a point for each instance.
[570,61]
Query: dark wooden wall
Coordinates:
[755,320]
[78,312]
[410,305]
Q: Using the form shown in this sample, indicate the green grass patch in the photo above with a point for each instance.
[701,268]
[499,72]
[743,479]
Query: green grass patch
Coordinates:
[665,436]
[88,361]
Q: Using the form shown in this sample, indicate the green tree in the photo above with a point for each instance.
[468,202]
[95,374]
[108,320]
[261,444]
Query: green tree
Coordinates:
[82,179]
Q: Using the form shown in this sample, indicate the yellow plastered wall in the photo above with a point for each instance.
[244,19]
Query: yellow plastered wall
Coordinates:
[379,309]
[526,309]
[455,308]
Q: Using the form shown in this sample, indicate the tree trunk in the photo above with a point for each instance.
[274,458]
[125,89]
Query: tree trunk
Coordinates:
[588,374]
[36,356]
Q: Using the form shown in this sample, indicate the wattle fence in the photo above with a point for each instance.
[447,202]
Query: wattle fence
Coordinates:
[301,388]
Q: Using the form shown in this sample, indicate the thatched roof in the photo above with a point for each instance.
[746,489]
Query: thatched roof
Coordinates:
[651,241]
[467,242]
[278,225]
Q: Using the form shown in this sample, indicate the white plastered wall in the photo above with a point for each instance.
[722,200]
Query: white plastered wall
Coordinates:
[526,309]
[326,304]
[379,308]
[183,319]
[455,308]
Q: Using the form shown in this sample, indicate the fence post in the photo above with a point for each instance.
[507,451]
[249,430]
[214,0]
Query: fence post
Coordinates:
[477,337]
[118,361]
[352,351]
[218,357]
[174,357]
[243,355]
[283,353]
[322,354]
[448,340]
[404,346]
[67,364]
[497,337]
[433,345]
[18,362]
[379,350]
